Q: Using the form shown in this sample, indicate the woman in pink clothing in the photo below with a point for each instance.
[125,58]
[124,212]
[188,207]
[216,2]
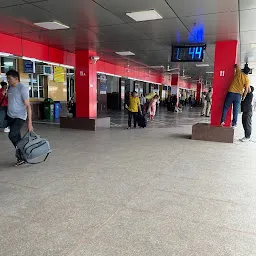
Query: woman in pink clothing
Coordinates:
[152,106]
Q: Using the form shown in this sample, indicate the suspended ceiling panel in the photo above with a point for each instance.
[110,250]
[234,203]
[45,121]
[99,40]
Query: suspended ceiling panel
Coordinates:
[102,25]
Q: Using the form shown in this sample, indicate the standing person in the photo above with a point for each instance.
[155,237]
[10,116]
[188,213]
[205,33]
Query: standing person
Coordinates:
[237,92]
[152,106]
[133,109]
[143,102]
[207,103]
[247,109]
[204,103]
[19,109]
[4,100]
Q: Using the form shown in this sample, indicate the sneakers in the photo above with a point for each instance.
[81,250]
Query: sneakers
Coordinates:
[234,126]
[7,129]
[245,139]
[222,124]
[20,162]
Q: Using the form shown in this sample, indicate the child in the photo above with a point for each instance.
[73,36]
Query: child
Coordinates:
[4,99]
[247,109]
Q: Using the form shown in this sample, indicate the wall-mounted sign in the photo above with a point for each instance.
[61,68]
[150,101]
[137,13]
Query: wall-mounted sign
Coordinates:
[29,66]
[103,84]
[59,74]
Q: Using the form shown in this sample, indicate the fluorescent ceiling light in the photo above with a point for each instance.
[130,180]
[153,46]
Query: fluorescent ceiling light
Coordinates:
[202,65]
[209,72]
[144,15]
[253,45]
[31,59]
[5,54]
[52,25]
[127,53]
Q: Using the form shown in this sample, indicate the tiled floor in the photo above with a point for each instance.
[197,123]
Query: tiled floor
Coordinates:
[143,192]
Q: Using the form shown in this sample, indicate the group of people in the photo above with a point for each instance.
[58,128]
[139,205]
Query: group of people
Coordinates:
[16,99]
[140,105]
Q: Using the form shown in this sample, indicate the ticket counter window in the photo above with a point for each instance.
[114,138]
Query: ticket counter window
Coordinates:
[36,86]
[7,64]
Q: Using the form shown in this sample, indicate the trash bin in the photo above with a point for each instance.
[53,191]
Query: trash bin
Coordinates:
[48,109]
[57,108]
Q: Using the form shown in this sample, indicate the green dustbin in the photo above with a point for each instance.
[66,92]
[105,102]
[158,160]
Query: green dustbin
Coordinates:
[48,109]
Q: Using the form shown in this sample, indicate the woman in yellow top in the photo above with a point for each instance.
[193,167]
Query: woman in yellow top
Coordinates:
[134,109]
[237,91]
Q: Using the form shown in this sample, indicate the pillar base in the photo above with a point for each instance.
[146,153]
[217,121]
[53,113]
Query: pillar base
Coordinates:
[206,132]
[88,124]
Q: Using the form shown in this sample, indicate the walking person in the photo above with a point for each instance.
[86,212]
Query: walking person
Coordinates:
[19,109]
[152,107]
[4,100]
[143,102]
[237,92]
[247,110]
[133,109]
[207,103]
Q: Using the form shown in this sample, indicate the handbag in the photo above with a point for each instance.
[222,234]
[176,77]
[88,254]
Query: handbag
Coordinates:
[31,147]
[3,114]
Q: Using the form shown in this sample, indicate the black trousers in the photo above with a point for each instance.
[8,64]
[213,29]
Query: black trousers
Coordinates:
[247,123]
[15,125]
[134,116]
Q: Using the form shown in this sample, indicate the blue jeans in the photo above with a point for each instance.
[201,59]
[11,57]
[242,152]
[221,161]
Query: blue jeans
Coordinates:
[235,99]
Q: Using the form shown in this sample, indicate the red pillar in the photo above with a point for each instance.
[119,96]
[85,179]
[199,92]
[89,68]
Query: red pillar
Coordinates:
[225,59]
[198,92]
[86,84]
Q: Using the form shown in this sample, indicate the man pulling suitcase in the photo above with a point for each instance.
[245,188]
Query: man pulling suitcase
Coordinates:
[19,109]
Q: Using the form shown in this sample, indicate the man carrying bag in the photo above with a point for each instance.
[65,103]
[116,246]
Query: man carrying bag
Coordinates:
[19,109]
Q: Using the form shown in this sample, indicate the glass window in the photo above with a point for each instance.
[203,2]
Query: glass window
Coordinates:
[7,64]
[36,86]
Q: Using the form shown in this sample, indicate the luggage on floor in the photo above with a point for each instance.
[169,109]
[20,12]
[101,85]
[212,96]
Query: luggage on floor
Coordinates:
[142,121]
[32,147]
[3,116]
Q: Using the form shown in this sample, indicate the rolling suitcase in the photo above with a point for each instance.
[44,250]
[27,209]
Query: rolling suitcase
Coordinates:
[142,121]
[32,147]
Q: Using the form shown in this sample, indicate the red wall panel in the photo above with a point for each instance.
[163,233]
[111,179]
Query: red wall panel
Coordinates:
[10,44]
[35,50]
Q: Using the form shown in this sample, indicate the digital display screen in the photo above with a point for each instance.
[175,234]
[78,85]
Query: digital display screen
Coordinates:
[188,53]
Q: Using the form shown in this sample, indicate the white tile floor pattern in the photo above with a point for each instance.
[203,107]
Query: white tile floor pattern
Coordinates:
[150,192]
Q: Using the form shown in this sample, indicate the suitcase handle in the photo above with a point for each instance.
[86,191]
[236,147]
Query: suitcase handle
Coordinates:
[30,135]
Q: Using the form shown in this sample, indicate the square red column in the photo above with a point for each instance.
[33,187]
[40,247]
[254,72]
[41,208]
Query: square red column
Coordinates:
[225,59]
[86,84]
[198,92]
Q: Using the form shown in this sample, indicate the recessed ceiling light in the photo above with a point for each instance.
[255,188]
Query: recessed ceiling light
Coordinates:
[127,53]
[144,15]
[202,65]
[52,25]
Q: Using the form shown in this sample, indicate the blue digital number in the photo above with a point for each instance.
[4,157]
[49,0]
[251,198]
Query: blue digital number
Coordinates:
[199,52]
[191,51]
[178,54]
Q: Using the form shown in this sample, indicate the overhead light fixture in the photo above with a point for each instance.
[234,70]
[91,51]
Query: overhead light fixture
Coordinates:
[126,53]
[253,45]
[209,72]
[144,15]
[202,65]
[51,25]
[156,67]
[5,54]
[31,59]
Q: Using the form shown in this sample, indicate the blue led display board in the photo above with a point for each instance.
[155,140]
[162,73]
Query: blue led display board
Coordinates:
[188,53]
